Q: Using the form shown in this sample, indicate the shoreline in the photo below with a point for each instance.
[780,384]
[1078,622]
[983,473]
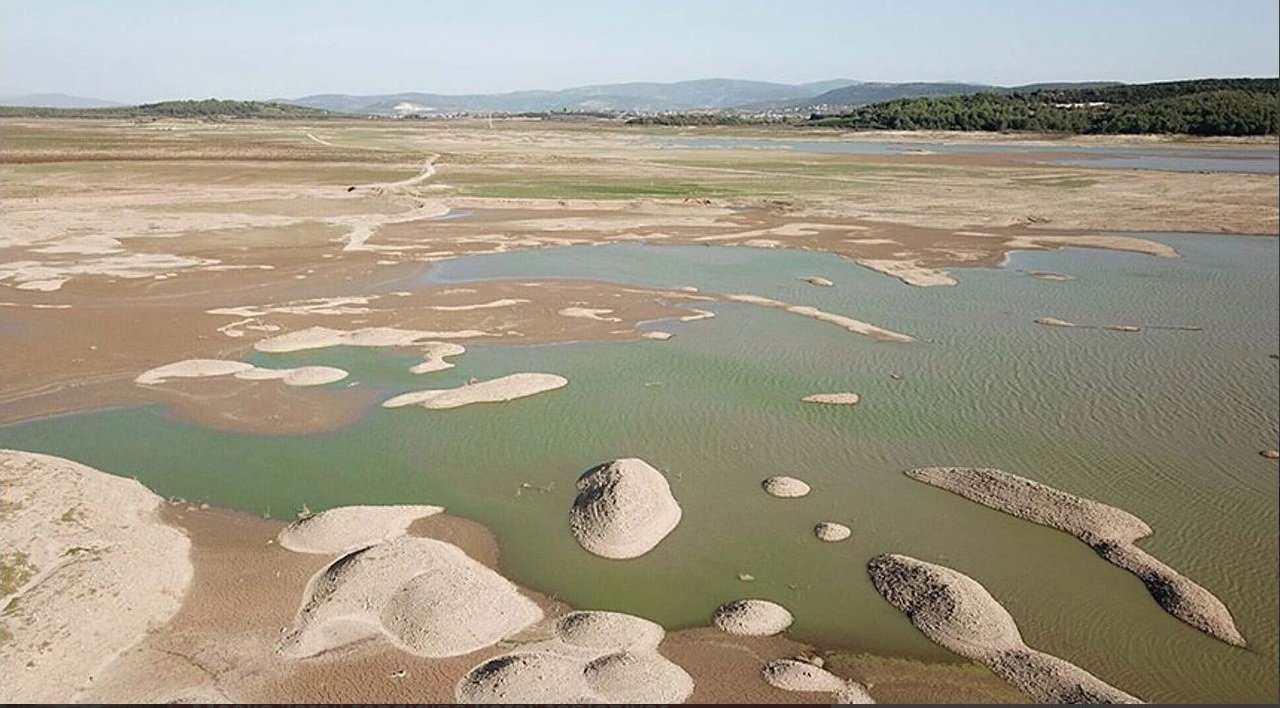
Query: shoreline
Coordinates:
[220,644]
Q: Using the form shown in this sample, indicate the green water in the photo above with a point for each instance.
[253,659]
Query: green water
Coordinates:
[1166,424]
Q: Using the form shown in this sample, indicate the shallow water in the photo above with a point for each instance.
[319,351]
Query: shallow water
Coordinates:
[1173,159]
[1164,423]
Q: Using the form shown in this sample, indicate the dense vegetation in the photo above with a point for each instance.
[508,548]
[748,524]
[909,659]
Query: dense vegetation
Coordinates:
[208,109]
[1204,107]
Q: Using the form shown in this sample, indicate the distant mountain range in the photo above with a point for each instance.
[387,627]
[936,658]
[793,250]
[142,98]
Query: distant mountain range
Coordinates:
[648,97]
[640,97]
[56,100]
[732,95]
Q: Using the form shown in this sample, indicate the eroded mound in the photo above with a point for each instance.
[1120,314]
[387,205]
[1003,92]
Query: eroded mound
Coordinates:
[956,612]
[1108,530]
[594,657]
[348,528]
[623,509]
[831,532]
[754,618]
[785,487]
[427,596]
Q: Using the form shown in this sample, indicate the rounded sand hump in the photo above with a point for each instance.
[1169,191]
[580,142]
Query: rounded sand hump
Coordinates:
[348,528]
[623,509]
[785,487]
[834,399]
[427,596]
[593,657]
[797,675]
[956,612]
[499,390]
[752,618]
[1108,530]
[831,532]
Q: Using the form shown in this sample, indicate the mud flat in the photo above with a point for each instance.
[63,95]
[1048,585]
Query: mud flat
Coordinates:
[89,569]
[956,612]
[500,390]
[624,509]
[1108,530]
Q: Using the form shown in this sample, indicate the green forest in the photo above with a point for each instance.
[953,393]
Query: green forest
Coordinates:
[208,109]
[1205,107]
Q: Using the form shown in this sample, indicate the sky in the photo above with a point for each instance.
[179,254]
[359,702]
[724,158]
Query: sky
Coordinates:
[147,50]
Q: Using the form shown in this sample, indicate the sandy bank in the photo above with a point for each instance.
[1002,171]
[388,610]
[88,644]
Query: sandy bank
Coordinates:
[956,612]
[324,337]
[819,281]
[909,272]
[206,368]
[833,399]
[89,569]
[623,509]
[1054,322]
[435,355]
[348,528]
[500,390]
[1108,530]
[856,326]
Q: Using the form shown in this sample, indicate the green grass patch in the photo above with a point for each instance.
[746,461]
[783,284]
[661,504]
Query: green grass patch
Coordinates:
[1059,182]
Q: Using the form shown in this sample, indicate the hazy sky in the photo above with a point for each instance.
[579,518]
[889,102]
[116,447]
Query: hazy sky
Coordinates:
[140,50]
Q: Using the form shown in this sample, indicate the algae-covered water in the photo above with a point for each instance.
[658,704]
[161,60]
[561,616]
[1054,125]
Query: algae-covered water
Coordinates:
[1165,423]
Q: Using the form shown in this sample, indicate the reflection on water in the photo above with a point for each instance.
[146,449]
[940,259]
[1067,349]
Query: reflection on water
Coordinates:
[1164,423]
[1174,159]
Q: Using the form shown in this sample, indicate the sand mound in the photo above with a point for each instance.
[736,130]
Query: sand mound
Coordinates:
[956,612]
[1108,530]
[1123,328]
[595,657]
[834,399]
[624,508]
[205,368]
[658,335]
[609,631]
[427,596]
[88,570]
[1056,277]
[754,618]
[1271,454]
[819,281]
[797,675]
[348,528]
[500,390]
[785,487]
[1054,322]
[433,358]
[831,532]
